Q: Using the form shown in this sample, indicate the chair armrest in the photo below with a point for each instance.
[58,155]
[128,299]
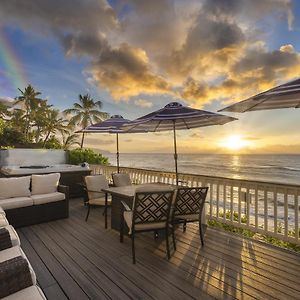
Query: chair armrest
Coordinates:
[14,276]
[63,189]
[5,241]
[125,206]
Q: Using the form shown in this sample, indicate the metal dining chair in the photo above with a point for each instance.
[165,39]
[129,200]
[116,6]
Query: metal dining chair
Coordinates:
[150,212]
[188,207]
[94,195]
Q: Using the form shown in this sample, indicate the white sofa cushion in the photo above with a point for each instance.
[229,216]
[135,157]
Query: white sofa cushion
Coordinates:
[17,202]
[15,187]
[15,240]
[44,184]
[2,212]
[3,221]
[13,252]
[31,293]
[46,198]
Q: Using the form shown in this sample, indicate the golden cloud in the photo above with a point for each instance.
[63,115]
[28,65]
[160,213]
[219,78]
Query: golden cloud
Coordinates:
[143,103]
[125,72]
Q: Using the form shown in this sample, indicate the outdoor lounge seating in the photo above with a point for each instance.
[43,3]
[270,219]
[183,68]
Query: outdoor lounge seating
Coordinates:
[33,199]
[188,207]
[121,179]
[94,195]
[17,277]
[150,212]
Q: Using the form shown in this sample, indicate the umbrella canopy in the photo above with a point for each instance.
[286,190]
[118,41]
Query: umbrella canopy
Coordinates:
[283,96]
[174,116]
[112,125]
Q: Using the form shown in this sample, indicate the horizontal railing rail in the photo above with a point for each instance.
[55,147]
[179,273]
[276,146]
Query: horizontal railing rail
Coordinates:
[263,207]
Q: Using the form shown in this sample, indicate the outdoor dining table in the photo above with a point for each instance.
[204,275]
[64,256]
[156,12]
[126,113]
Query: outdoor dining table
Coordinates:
[126,194]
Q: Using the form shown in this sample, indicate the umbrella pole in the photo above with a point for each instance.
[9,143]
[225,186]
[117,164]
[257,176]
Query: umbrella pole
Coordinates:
[118,155]
[175,152]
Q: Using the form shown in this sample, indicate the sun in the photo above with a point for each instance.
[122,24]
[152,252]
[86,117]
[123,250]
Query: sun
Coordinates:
[235,143]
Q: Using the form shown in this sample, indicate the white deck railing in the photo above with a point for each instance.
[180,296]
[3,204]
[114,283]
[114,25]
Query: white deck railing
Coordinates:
[262,207]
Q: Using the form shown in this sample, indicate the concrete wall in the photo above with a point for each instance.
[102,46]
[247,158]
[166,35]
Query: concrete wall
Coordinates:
[25,157]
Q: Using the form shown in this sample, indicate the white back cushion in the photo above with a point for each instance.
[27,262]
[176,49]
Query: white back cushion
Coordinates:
[15,187]
[44,184]
[121,179]
[95,183]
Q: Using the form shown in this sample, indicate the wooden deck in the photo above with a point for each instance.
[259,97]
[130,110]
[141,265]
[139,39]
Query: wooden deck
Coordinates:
[81,260]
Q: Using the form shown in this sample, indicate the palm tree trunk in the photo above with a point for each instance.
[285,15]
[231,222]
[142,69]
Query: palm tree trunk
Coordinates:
[46,138]
[82,140]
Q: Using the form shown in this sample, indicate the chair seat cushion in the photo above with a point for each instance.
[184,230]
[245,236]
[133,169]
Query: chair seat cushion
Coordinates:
[33,293]
[99,201]
[192,217]
[15,240]
[2,212]
[46,198]
[15,251]
[3,221]
[140,227]
[17,202]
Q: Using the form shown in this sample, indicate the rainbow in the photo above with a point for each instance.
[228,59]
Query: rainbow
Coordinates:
[12,74]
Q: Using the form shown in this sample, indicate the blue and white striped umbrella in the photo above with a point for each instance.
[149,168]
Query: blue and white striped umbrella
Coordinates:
[174,116]
[111,125]
[283,96]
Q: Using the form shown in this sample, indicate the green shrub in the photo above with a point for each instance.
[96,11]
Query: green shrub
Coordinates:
[77,156]
[53,143]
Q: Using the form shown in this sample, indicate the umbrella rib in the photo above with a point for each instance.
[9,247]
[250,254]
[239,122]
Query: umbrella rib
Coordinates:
[256,104]
[157,126]
[185,124]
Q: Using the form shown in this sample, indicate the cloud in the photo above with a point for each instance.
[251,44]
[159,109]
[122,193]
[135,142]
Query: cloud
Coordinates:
[198,50]
[77,16]
[143,103]
[251,138]
[126,72]
[9,102]
[196,135]
[96,139]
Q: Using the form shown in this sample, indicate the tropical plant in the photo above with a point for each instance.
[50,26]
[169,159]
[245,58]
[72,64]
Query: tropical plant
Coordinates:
[54,124]
[86,112]
[78,155]
[4,112]
[12,137]
[31,102]
[70,140]
[53,143]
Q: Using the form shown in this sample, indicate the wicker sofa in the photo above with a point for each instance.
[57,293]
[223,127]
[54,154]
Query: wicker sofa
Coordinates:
[33,199]
[17,277]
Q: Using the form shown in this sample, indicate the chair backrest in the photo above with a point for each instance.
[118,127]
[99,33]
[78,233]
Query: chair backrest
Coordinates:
[95,183]
[152,205]
[189,201]
[121,179]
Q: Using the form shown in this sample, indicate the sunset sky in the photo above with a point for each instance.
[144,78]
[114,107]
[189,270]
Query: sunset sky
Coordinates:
[138,55]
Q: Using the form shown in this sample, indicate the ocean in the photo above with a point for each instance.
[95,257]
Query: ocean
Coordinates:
[270,168]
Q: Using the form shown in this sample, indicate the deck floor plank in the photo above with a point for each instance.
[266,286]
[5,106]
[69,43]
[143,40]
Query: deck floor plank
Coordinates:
[74,259]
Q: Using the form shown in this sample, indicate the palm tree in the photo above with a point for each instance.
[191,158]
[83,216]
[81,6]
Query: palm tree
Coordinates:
[4,112]
[29,98]
[70,140]
[86,112]
[54,124]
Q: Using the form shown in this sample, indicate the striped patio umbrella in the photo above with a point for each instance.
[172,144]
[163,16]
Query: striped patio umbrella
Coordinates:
[283,96]
[174,116]
[112,125]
